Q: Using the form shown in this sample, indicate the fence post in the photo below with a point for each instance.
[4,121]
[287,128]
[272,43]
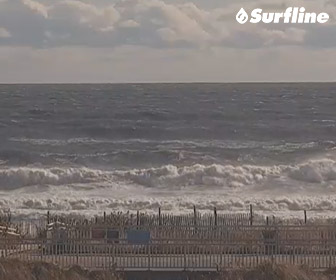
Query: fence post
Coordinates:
[195,216]
[185,256]
[138,219]
[215,214]
[160,221]
[41,246]
[149,257]
[104,217]
[305,216]
[6,240]
[251,215]
[78,246]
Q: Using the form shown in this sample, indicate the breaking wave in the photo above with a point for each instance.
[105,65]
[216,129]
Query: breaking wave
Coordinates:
[171,176]
[317,171]
[173,188]
[200,175]
[12,178]
[288,205]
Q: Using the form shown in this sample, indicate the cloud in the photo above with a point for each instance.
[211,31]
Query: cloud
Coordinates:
[161,40]
[76,12]
[36,7]
[4,33]
[150,23]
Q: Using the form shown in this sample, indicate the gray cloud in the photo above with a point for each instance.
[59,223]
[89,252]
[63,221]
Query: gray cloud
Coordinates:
[152,23]
[160,40]
[4,33]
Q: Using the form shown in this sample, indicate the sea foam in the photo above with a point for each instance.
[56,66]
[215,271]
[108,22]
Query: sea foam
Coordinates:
[170,176]
[277,188]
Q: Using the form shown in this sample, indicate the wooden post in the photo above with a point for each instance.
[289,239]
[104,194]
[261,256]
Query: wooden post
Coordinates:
[195,216]
[138,218]
[9,216]
[251,215]
[215,214]
[160,221]
[149,256]
[267,220]
[305,216]
[48,218]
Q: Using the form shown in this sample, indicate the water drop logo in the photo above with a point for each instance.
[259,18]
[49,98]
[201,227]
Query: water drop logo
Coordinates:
[242,16]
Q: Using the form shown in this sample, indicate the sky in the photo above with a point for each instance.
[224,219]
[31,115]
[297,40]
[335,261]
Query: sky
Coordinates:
[112,41]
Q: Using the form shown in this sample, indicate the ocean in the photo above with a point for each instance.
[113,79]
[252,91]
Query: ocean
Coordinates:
[90,148]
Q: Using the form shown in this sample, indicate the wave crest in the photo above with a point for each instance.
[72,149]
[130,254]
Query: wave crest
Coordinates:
[171,177]
[12,178]
[317,171]
[200,175]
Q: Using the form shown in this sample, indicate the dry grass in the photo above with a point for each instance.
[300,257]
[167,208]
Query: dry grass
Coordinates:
[275,272]
[17,270]
[267,272]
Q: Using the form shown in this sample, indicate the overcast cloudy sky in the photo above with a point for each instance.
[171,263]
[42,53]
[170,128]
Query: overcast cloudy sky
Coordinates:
[161,40]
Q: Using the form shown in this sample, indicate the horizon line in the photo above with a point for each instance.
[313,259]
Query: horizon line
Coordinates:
[163,82]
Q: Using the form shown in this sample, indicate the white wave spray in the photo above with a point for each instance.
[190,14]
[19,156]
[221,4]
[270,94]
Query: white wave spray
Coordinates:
[309,185]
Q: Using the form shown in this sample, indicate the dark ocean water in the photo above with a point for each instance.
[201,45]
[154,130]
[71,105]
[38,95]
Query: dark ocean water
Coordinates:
[107,147]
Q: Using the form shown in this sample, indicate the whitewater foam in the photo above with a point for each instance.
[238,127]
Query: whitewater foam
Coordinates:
[316,171]
[313,171]
[200,175]
[174,188]
[11,178]
[291,205]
